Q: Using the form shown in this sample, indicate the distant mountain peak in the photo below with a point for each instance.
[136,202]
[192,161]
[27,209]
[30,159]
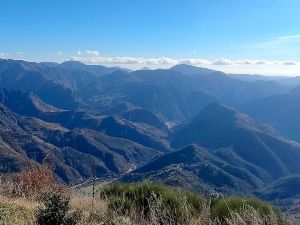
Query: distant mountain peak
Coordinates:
[120,108]
[72,62]
[218,122]
[222,115]
[216,107]
[190,149]
[23,102]
[217,113]
[192,70]
[145,68]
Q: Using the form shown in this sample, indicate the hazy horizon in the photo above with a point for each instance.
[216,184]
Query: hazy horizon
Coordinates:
[151,67]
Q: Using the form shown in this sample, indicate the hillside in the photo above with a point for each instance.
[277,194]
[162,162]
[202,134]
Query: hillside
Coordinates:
[71,153]
[285,188]
[218,126]
[28,104]
[280,111]
[199,169]
[233,157]
[171,94]
[136,114]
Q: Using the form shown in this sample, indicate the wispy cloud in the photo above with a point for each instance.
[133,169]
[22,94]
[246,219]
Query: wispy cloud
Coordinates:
[59,53]
[20,55]
[277,42]
[92,52]
[279,46]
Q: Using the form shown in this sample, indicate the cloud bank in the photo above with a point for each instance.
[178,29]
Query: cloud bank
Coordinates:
[249,66]
[164,61]
[3,55]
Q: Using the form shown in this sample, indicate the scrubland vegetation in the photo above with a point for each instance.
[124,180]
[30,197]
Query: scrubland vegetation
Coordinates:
[35,197]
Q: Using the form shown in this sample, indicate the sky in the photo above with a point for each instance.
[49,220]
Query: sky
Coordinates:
[235,36]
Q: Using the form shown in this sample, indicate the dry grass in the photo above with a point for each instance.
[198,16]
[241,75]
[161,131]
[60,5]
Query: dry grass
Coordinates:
[18,211]
[21,211]
[92,211]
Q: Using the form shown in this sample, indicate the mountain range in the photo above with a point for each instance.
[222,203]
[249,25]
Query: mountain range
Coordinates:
[237,154]
[186,126]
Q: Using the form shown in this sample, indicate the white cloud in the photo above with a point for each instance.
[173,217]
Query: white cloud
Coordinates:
[257,66]
[79,52]
[222,62]
[3,55]
[262,62]
[20,55]
[127,60]
[290,63]
[92,52]
[194,61]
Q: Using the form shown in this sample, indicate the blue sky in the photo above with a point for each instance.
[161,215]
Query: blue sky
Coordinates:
[242,36]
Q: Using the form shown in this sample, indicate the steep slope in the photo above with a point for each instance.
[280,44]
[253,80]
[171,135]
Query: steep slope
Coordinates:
[280,111]
[218,126]
[27,104]
[172,94]
[53,85]
[287,187]
[227,89]
[201,169]
[254,77]
[97,70]
[192,70]
[25,141]
[136,114]
[167,94]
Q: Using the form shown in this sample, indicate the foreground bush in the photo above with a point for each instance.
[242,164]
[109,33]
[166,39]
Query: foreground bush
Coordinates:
[37,180]
[56,211]
[151,201]
[248,209]
[156,204]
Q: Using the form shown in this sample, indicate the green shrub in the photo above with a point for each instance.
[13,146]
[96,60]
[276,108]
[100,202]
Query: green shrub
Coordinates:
[223,208]
[56,211]
[153,200]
